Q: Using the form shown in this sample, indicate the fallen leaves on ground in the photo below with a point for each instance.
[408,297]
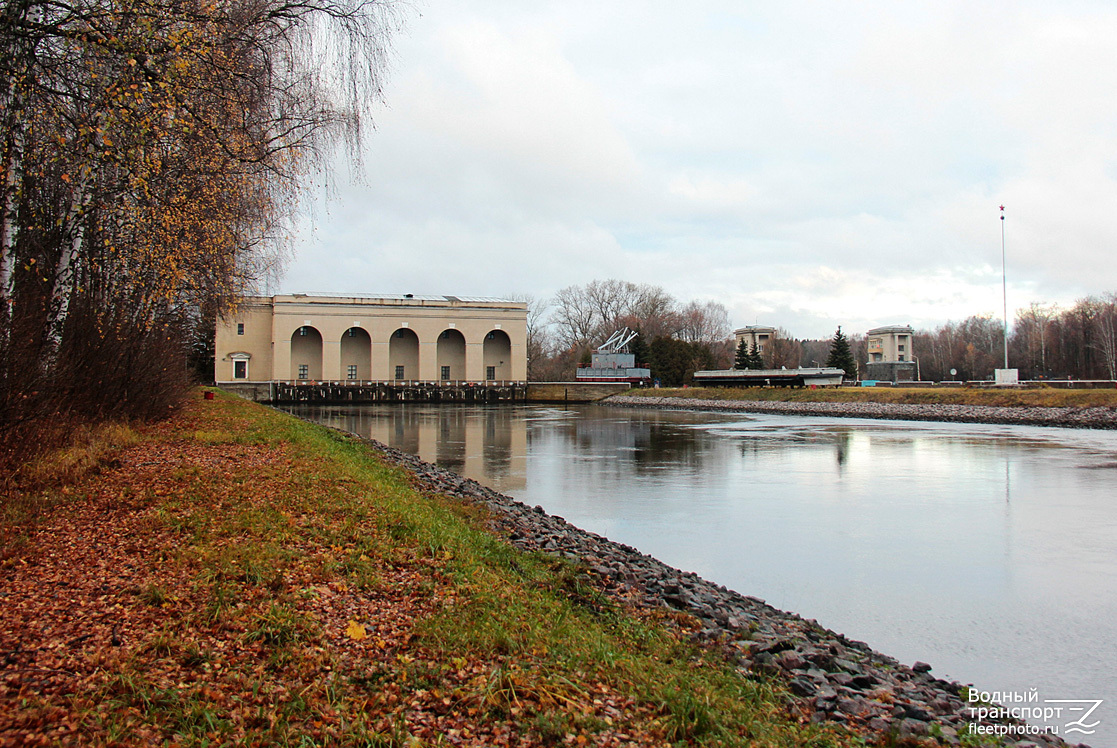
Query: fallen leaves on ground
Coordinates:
[200,592]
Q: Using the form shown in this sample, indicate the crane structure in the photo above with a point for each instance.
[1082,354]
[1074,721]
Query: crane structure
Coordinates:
[612,362]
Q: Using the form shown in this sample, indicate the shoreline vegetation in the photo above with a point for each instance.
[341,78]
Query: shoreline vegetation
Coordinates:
[1028,407]
[1032,397]
[235,575]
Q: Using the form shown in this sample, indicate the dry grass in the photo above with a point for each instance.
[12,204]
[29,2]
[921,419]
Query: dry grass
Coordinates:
[245,578]
[35,486]
[90,448]
[1039,397]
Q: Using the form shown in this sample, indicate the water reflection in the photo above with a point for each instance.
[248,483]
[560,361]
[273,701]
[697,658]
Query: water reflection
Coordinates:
[841,447]
[488,445]
[987,551]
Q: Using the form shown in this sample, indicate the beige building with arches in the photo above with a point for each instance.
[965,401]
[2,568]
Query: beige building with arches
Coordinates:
[298,337]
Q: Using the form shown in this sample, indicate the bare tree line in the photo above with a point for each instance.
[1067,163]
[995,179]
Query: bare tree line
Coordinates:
[675,338]
[1045,342]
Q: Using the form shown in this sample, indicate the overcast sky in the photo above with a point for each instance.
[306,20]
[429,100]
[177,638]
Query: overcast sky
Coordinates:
[807,164]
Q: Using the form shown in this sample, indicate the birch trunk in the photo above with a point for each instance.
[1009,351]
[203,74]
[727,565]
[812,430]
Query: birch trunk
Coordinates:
[1107,345]
[21,56]
[13,151]
[65,276]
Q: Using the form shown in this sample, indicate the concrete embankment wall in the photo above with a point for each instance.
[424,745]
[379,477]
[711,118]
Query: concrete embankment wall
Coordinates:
[573,392]
[537,392]
[257,392]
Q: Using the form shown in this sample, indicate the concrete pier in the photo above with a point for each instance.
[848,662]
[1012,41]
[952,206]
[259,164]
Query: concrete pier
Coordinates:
[424,392]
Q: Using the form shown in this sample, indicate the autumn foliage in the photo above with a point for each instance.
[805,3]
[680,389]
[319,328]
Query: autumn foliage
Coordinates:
[149,154]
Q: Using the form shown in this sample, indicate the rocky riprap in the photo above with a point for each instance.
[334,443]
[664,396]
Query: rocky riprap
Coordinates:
[832,678]
[1083,418]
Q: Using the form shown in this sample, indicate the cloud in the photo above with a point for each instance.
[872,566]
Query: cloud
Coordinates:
[805,162]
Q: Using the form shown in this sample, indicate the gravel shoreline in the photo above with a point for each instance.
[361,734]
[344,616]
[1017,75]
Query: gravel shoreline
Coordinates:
[1082,418]
[832,678]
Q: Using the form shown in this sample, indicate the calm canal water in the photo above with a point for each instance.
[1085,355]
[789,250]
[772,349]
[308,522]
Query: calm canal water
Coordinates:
[988,551]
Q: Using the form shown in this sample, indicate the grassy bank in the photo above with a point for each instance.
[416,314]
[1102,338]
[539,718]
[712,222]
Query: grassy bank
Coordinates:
[1038,397]
[235,576]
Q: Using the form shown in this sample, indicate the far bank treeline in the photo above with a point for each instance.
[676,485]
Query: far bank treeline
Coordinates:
[677,339]
[151,151]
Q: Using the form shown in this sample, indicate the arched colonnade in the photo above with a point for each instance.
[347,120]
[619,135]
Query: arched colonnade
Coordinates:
[404,354]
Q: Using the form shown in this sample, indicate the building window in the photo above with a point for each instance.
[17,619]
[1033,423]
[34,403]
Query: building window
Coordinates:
[399,372]
[399,333]
[351,332]
[491,336]
[240,370]
[240,328]
[304,371]
[490,373]
[901,357]
[352,371]
[302,331]
[445,373]
[900,347]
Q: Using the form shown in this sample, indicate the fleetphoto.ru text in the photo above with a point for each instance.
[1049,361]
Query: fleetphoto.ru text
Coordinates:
[992,712]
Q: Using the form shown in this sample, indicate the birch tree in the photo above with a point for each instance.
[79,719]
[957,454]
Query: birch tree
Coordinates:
[1105,333]
[152,150]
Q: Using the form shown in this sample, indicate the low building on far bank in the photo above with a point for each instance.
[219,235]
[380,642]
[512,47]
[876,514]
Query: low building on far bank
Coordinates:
[300,337]
[891,358]
[612,362]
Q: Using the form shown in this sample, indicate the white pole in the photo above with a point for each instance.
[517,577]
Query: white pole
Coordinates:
[1004,283]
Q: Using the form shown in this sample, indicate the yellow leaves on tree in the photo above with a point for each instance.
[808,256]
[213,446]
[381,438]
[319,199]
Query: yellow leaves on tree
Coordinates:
[152,150]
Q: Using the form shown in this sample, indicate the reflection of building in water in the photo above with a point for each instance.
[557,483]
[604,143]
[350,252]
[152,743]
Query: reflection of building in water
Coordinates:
[488,445]
[645,441]
[842,440]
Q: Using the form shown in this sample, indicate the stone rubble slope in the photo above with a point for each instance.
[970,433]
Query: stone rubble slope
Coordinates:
[831,677]
[1099,417]
[1076,418]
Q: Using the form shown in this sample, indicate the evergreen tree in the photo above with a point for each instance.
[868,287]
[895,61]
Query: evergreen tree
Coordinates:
[742,359]
[841,355]
[756,361]
[672,361]
[639,349]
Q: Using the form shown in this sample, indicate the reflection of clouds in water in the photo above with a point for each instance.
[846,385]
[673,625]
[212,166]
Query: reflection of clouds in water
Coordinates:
[897,533]
[1079,448]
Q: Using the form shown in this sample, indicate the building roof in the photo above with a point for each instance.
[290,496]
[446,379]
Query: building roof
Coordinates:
[901,329]
[391,299]
[402,297]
